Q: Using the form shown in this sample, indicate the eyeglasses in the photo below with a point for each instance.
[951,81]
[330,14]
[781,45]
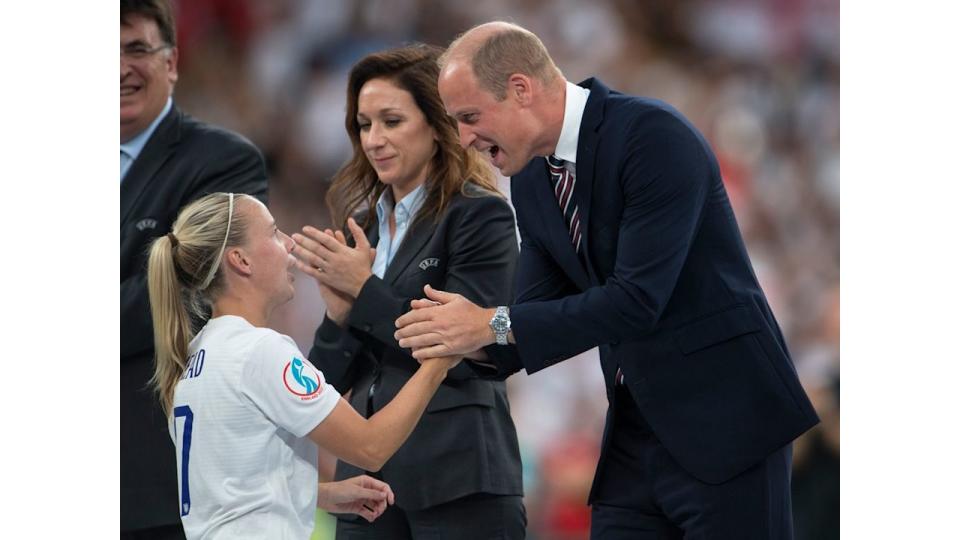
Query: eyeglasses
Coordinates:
[139,51]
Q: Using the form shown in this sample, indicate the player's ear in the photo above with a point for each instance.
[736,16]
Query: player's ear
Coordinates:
[237,260]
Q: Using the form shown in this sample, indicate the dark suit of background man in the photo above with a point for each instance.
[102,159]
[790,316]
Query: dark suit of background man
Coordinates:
[167,159]
[645,261]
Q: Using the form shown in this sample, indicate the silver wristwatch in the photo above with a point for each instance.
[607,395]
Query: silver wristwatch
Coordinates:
[500,324]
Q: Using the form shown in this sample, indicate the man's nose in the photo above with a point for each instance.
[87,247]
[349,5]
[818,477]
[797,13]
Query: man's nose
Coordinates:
[466,135]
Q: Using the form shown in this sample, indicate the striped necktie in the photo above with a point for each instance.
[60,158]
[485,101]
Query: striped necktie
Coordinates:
[563,184]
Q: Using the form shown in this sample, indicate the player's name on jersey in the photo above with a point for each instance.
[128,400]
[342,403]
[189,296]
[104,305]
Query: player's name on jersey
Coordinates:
[194,365]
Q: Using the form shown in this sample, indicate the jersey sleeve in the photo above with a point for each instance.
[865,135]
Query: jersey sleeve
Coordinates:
[286,387]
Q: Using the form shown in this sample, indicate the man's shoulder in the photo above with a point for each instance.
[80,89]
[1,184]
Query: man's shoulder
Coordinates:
[212,158]
[626,108]
[625,112]
[196,132]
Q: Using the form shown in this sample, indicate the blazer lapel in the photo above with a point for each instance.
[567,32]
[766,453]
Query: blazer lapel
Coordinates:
[557,235]
[155,153]
[372,232]
[587,144]
[417,236]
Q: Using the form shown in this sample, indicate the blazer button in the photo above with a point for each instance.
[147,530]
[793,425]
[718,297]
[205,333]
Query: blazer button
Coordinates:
[367,328]
[346,354]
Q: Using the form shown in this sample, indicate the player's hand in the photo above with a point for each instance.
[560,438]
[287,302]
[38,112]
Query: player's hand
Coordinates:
[446,362]
[361,495]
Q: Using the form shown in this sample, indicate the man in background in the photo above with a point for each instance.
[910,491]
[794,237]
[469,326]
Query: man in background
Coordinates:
[167,159]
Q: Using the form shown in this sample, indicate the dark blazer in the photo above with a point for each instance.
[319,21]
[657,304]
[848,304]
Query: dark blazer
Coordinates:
[183,160]
[466,441]
[663,286]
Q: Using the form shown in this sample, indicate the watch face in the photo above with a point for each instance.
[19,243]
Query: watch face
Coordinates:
[499,325]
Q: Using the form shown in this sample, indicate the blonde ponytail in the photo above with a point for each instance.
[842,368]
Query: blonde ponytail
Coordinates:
[172,330]
[183,274]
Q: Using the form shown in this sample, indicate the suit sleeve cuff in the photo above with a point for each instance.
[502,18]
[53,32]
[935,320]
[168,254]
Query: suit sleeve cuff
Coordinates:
[374,311]
[330,333]
[502,361]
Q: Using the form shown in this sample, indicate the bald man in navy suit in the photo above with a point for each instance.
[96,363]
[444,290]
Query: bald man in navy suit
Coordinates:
[629,244]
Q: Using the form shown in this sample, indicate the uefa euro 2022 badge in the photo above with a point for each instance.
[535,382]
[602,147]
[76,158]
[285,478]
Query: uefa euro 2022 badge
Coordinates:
[301,379]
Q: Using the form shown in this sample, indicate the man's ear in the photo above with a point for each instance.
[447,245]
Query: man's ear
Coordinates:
[237,260]
[172,58]
[520,88]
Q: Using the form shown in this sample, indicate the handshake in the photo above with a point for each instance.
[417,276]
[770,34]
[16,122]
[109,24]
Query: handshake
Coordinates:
[446,325]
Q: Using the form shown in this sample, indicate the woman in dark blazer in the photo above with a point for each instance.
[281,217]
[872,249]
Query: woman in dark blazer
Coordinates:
[425,211]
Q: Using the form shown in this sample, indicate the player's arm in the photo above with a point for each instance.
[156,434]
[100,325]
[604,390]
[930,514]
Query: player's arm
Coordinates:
[290,392]
[369,443]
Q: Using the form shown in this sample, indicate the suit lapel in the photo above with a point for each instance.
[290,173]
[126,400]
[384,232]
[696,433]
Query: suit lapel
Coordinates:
[587,143]
[417,236]
[372,232]
[155,153]
[557,233]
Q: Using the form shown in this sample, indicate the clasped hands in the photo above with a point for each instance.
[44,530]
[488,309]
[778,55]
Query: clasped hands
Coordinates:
[339,270]
[325,256]
[445,324]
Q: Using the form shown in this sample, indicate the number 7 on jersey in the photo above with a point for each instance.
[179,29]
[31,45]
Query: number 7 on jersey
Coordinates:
[185,412]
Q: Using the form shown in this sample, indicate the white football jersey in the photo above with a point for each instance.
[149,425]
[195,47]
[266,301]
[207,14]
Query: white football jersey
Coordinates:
[242,410]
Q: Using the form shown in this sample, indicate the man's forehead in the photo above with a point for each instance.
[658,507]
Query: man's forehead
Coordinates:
[458,90]
[457,69]
[458,103]
[134,27]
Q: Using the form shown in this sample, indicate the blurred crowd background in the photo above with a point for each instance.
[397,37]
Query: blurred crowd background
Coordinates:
[760,78]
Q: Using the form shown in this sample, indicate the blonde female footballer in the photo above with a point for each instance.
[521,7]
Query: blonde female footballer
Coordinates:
[245,410]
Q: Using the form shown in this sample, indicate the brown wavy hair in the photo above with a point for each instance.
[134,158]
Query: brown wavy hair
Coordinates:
[356,185]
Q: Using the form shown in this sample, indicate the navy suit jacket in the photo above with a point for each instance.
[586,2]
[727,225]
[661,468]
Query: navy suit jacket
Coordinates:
[183,160]
[663,286]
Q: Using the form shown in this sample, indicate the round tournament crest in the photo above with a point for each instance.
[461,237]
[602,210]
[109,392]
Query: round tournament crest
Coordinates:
[301,379]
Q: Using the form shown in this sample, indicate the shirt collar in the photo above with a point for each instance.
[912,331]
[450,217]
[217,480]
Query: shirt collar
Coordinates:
[408,207]
[134,146]
[576,103]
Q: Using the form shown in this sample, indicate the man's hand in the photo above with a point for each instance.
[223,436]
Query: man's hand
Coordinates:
[325,256]
[362,495]
[454,326]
